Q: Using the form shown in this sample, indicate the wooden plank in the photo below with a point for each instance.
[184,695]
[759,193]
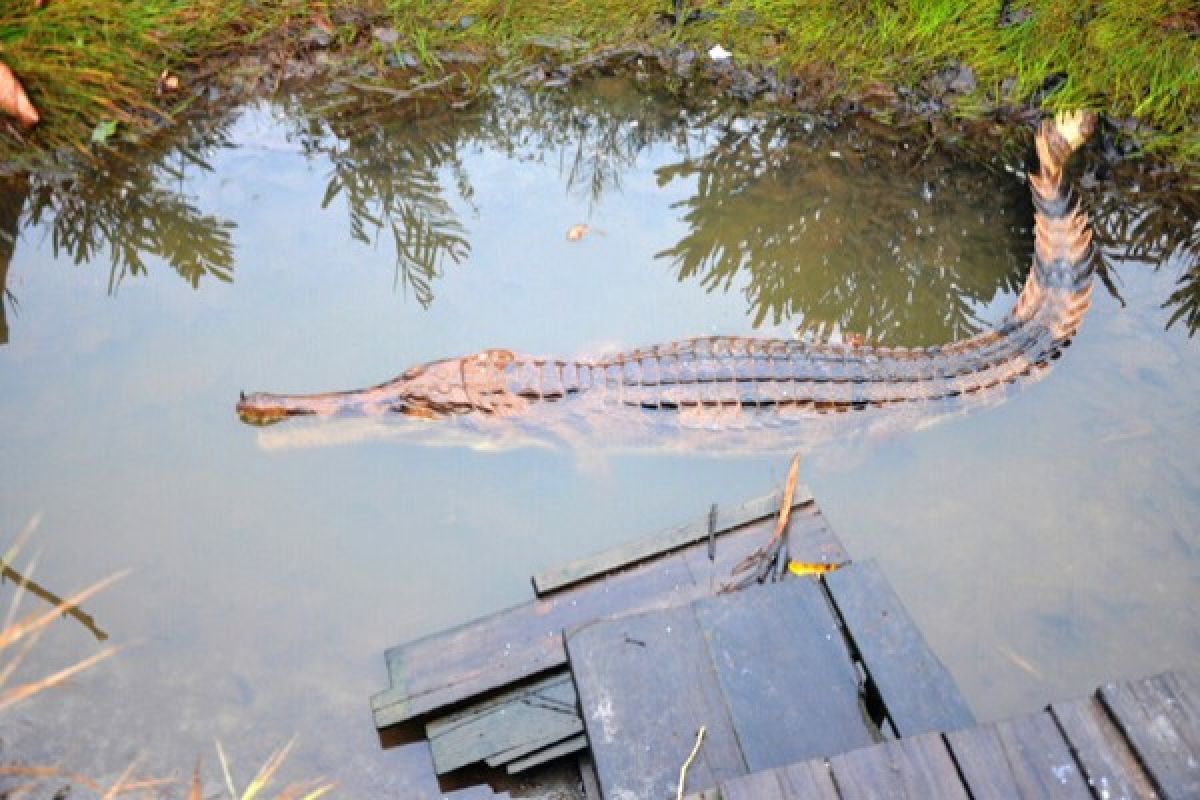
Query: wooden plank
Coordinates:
[917,690]
[917,766]
[808,780]
[656,544]
[1160,716]
[755,786]
[501,649]
[508,726]
[516,753]
[788,679]
[481,792]
[646,685]
[1109,766]
[1024,758]
[496,651]
[564,748]
[587,776]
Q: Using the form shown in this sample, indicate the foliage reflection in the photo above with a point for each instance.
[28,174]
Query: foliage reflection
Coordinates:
[828,232]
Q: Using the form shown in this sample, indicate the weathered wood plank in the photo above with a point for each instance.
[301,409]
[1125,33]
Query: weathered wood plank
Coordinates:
[481,792]
[511,645]
[587,776]
[564,748]
[1160,716]
[787,677]
[1024,758]
[501,649]
[508,726]
[755,786]
[1109,766]
[808,780]
[656,544]
[917,766]
[646,685]
[917,690]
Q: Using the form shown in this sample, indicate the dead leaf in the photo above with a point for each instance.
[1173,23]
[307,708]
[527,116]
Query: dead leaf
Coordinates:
[811,567]
[322,21]
[167,82]
[577,232]
[14,101]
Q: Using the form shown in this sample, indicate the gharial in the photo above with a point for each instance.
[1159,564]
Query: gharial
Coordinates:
[724,386]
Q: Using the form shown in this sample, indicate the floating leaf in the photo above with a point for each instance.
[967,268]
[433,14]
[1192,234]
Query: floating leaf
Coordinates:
[14,101]
[811,567]
[104,131]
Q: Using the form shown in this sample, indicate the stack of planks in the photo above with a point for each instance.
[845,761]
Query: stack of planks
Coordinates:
[774,673]
[497,690]
[1137,740]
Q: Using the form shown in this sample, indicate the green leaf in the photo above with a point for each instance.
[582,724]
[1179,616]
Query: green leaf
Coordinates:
[104,131]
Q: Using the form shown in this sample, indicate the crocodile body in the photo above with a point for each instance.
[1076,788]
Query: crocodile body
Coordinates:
[711,381]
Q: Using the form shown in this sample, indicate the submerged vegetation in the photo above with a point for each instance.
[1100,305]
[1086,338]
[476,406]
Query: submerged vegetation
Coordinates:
[97,69]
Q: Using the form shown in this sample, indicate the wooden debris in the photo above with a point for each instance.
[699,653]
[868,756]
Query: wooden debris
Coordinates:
[1160,717]
[917,690]
[714,525]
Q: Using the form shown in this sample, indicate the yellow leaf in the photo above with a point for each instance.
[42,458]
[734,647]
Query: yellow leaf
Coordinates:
[811,567]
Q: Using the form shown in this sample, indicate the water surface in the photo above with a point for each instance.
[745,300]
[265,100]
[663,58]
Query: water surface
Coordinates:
[1044,545]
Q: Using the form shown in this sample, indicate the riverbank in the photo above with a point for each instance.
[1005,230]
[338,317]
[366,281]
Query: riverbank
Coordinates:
[101,73]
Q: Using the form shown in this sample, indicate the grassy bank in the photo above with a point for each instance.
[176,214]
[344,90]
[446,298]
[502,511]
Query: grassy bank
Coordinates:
[87,63]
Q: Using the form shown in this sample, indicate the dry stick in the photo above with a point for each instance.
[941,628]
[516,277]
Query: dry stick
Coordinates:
[766,556]
[683,770]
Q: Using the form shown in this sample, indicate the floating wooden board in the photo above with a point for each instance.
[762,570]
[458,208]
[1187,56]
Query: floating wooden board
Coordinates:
[1160,717]
[810,780]
[508,726]
[916,767]
[785,671]
[1109,766]
[587,776]
[515,644]
[663,542]
[646,684]
[547,754]
[1020,758]
[917,690]
[765,670]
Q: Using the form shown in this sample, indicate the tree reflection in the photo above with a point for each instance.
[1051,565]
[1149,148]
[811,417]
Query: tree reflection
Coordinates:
[829,231]
[814,230]
[137,210]
[14,190]
[390,171]
[1155,228]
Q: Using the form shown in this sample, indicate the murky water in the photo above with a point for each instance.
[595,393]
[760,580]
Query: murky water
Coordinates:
[1044,545]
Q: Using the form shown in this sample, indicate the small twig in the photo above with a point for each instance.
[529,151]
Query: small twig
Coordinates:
[712,533]
[683,770]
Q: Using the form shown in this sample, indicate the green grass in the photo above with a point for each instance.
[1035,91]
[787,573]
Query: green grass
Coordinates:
[85,62]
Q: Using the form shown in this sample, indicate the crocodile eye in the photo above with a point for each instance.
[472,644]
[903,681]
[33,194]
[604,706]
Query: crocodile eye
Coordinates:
[413,372]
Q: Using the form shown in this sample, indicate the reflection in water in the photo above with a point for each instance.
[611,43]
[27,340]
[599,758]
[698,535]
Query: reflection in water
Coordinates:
[136,209]
[1154,228]
[844,240]
[8,573]
[826,231]
[13,192]
[391,180]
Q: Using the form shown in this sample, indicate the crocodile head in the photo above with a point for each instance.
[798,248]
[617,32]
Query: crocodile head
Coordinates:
[454,386]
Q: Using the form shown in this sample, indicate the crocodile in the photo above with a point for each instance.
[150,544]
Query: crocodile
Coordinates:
[719,383]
